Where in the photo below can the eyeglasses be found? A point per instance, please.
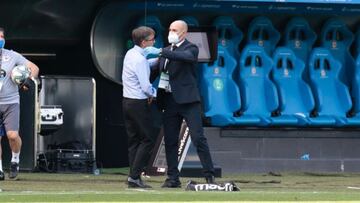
(153, 39)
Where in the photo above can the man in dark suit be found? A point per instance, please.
(178, 97)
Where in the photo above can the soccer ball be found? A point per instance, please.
(19, 74)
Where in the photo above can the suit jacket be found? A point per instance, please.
(182, 67)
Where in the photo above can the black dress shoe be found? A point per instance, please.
(137, 183)
(170, 183)
(210, 180)
(2, 176)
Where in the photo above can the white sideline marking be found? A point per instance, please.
(135, 191)
(355, 188)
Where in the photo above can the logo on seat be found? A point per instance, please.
(334, 44)
(253, 71)
(218, 84)
(286, 72)
(323, 73)
(261, 43)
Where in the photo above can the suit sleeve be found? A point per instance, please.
(153, 63)
(190, 54)
(154, 72)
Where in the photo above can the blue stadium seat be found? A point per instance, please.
(230, 35)
(295, 97)
(332, 97)
(354, 115)
(299, 37)
(216, 80)
(336, 37)
(258, 94)
(262, 32)
(356, 87)
(221, 97)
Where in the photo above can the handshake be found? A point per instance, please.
(152, 52)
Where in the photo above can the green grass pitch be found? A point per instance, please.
(110, 187)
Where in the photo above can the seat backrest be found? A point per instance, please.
(262, 32)
(336, 37)
(229, 35)
(299, 37)
(295, 96)
(258, 93)
(356, 87)
(219, 92)
(331, 94)
(154, 23)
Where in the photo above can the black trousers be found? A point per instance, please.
(173, 116)
(139, 129)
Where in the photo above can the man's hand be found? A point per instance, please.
(150, 99)
(26, 84)
(151, 52)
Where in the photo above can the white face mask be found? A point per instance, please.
(173, 38)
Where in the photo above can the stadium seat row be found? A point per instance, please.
(289, 89)
(272, 91)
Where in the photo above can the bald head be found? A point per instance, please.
(179, 25)
(180, 28)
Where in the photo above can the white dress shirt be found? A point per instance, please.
(136, 75)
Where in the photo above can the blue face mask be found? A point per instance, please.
(2, 43)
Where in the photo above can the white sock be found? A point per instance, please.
(15, 157)
(1, 169)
